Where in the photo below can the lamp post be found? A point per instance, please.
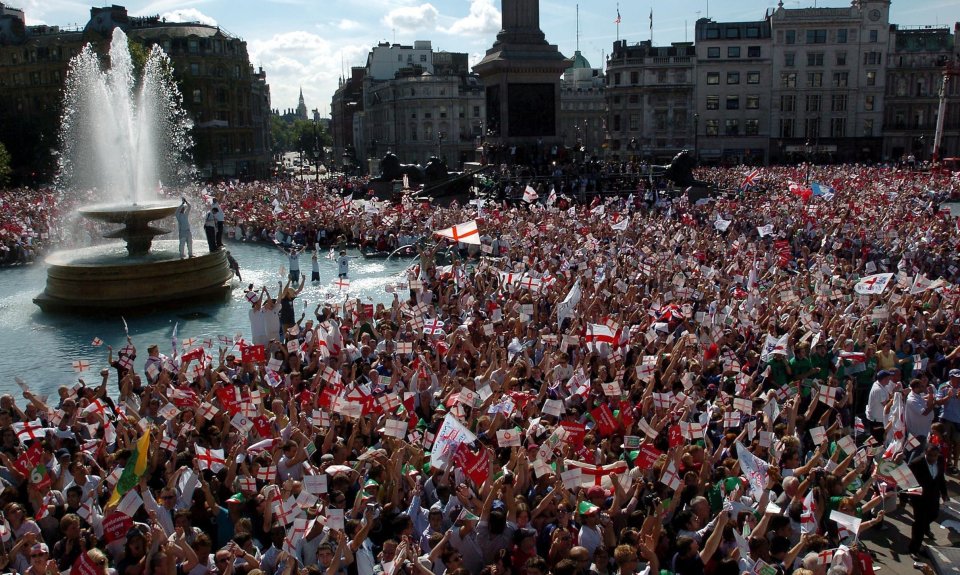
(808, 148)
(439, 144)
(696, 139)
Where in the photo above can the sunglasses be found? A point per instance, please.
(37, 555)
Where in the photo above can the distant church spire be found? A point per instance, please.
(302, 107)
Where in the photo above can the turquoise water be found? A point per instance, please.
(41, 348)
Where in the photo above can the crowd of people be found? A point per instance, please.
(640, 384)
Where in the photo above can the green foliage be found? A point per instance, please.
(296, 136)
(4, 165)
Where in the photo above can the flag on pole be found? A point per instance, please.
(617, 21)
(651, 19)
(136, 467)
(569, 303)
(530, 195)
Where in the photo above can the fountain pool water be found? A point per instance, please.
(122, 135)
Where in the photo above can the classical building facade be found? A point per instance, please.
(829, 79)
(411, 101)
(650, 100)
(227, 99)
(733, 78)
(583, 108)
(915, 71)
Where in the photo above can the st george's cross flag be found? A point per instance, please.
(466, 232)
(530, 195)
(600, 475)
(874, 284)
(754, 468)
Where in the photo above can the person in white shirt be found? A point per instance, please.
(877, 404)
(343, 264)
(918, 414)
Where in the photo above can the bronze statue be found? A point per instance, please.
(680, 171)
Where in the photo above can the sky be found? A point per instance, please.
(312, 43)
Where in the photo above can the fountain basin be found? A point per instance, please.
(106, 279)
(136, 231)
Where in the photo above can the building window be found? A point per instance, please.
(789, 59)
(816, 36)
(788, 80)
(871, 58)
(733, 32)
(713, 78)
(873, 36)
(731, 127)
(813, 128)
(814, 79)
(633, 99)
(413, 133)
(661, 76)
(840, 79)
(194, 69)
(713, 34)
(476, 111)
(634, 122)
(813, 103)
(814, 58)
(869, 103)
(841, 58)
(616, 100)
(660, 119)
(713, 102)
(713, 52)
(733, 51)
(753, 102)
(616, 78)
(753, 32)
(838, 103)
(751, 127)
(868, 127)
(733, 102)
(733, 77)
(713, 128)
(634, 78)
(842, 36)
(753, 51)
(787, 127)
(193, 46)
(423, 57)
(753, 77)
(616, 122)
(838, 127)
(791, 37)
(197, 97)
(427, 115)
(871, 78)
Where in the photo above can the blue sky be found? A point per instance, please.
(309, 42)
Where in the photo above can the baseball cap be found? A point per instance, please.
(39, 548)
(884, 373)
(954, 373)
(596, 491)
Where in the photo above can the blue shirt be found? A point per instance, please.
(951, 409)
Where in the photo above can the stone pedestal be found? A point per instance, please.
(104, 279)
(521, 75)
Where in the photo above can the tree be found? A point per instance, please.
(4, 165)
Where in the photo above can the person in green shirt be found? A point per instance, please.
(820, 359)
(802, 367)
(780, 371)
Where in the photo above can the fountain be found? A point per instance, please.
(121, 136)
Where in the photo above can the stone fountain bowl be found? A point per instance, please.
(129, 213)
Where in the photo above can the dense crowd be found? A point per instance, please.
(635, 385)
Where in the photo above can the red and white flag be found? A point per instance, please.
(530, 195)
(598, 334)
(592, 475)
(874, 284)
(466, 232)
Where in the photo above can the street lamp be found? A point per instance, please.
(439, 144)
(808, 148)
(696, 139)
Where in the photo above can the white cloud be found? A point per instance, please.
(412, 18)
(299, 58)
(483, 20)
(188, 15)
(347, 24)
